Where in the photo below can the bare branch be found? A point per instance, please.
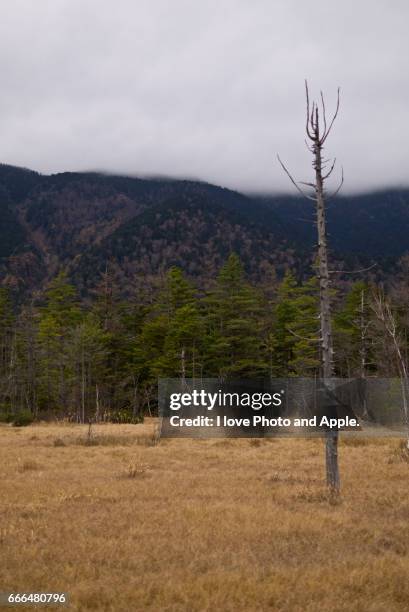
(330, 170)
(312, 221)
(317, 339)
(339, 186)
(312, 118)
(309, 147)
(352, 271)
(326, 133)
(307, 127)
(317, 123)
(294, 182)
(324, 115)
(307, 184)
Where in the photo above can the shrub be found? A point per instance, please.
(22, 419)
(5, 415)
(125, 416)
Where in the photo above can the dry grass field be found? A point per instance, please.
(125, 524)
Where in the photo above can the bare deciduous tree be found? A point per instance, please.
(383, 312)
(317, 130)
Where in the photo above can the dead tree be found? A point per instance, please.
(383, 312)
(317, 131)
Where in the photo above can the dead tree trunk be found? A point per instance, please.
(317, 132)
(331, 449)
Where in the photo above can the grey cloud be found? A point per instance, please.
(210, 90)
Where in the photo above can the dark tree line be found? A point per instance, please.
(101, 358)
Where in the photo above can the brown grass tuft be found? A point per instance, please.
(136, 469)
(28, 465)
(58, 442)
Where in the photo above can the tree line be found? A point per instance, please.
(100, 358)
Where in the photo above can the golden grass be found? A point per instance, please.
(126, 524)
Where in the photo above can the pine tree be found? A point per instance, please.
(27, 370)
(178, 292)
(352, 329)
(86, 353)
(107, 312)
(58, 316)
(170, 337)
(305, 328)
(181, 350)
(281, 341)
(7, 354)
(294, 337)
(233, 344)
(62, 302)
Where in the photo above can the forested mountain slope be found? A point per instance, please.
(140, 227)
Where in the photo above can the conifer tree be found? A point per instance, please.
(178, 292)
(293, 340)
(183, 341)
(27, 359)
(86, 352)
(106, 311)
(234, 346)
(7, 353)
(170, 337)
(59, 315)
(305, 329)
(352, 333)
(281, 341)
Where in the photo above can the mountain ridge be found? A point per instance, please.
(80, 221)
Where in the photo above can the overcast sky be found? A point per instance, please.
(211, 89)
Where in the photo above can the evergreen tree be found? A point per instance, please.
(103, 360)
(281, 341)
(352, 333)
(181, 350)
(58, 316)
(294, 339)
(171, 335)
(178, 292)
(233, 344)
(305, 328)
(106, 310)
(86, 353)
(27, 370)
(7, 353)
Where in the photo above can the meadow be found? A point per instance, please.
(122, 522)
